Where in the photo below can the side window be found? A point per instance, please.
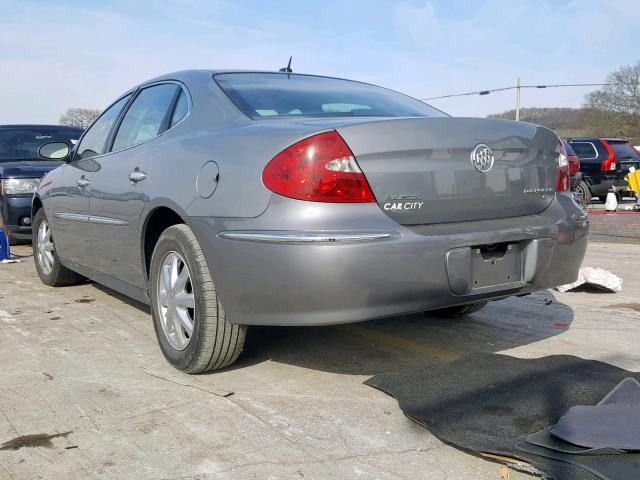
(181, 109)
(584, 150)
(145, 116)
(94, 141)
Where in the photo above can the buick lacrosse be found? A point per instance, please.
(225, 199)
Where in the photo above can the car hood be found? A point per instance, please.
(27, 168)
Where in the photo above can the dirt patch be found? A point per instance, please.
(35, 440)
(85, 300)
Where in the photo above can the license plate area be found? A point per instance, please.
(496, 264)
(483, 268)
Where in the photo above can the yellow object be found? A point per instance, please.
(633, 179)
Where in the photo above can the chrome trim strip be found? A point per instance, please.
(78, 217)
(303, 237)
(106, 220)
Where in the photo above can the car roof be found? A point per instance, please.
(184, 75)
(51, 127)
(591, 139)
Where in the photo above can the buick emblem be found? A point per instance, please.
(482, 158)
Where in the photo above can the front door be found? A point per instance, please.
(119, 190)
(69, 201)
(68, 212)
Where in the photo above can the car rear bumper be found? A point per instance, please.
(16, 215)
(363, 265)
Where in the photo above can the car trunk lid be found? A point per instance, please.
(420, 169)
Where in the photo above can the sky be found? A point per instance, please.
(84, 53)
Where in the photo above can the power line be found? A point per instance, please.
(487, 92)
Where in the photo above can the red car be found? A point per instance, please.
(574, 165)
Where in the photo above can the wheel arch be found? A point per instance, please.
(36, 204)
(157, 219)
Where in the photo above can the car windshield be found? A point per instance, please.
(22, 143)
(624, 150)
(262, 95)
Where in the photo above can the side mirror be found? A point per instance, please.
(55, 150)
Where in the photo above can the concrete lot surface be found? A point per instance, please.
(622, 226)
(85, 392)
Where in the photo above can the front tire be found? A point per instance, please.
(190, 323)
(48, 266)
(458, 310)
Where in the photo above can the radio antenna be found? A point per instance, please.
(287, 69)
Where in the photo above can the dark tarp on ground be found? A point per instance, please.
(601, 426)
(543, 438)
(609, 467)
(488, 403)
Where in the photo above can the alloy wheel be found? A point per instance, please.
(45, 248)
(175, 300)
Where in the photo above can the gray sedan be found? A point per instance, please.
(230, 198)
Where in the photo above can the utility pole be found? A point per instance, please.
(518, 100)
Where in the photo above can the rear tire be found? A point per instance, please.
(48, 266)
(583, 189)
(190, 323)
(458, 310)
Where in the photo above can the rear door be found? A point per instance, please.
(590, 158)
(119, 189)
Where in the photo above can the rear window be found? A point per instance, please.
(22, 143)
(585, 150)
(569, 149)
(624, 150)
(261, 95)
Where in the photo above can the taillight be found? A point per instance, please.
(608, 165)
(574, 165)
(320, 168)
(563, 179)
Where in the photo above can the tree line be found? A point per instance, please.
(612, 111)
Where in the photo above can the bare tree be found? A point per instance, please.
(616, 107)
(79, 117)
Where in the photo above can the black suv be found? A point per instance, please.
(22, 167)
(604, 162)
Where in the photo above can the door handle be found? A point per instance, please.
(137, 176)
(83, 182)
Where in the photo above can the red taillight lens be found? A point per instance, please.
(574, 165)
(318, 169)
(563, 179)
(609, 164)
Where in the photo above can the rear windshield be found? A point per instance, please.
(22, 143)
(624, 150)
(261, 95)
